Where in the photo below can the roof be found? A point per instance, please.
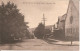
(75, 3)
(62, 18)
(48, 26)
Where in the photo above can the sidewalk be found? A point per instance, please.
(67, 43)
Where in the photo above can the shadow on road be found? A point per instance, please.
(54, 43)
(10, 43)
(62, 44)
(10, 47)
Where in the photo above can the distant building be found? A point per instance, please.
(61, 22)
(60, 30)
(50, 27)
(56, 25)
(72, 20)
(31, 30)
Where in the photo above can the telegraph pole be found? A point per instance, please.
(71, 21)
(44, 19)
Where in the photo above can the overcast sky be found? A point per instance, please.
(34, 12)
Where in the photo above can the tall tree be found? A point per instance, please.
(12, 23)
(39, 31)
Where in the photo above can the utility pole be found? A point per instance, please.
(44, 19)
(71, 21)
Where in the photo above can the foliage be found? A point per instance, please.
(39, 31)
(47, 31)
(12, 23)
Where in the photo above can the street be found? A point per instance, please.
(36, 44)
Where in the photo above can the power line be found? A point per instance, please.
(38, 3)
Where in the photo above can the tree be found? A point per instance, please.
(47, 33)
(39, 31)
(12, 23)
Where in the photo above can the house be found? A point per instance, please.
(59, 31)
(50, 27)
(72, 20)
(61, 22)
(61, 25)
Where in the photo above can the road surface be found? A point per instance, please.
(36, 44)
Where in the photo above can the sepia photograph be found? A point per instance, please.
(39, 25)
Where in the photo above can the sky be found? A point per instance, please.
(33, 11)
